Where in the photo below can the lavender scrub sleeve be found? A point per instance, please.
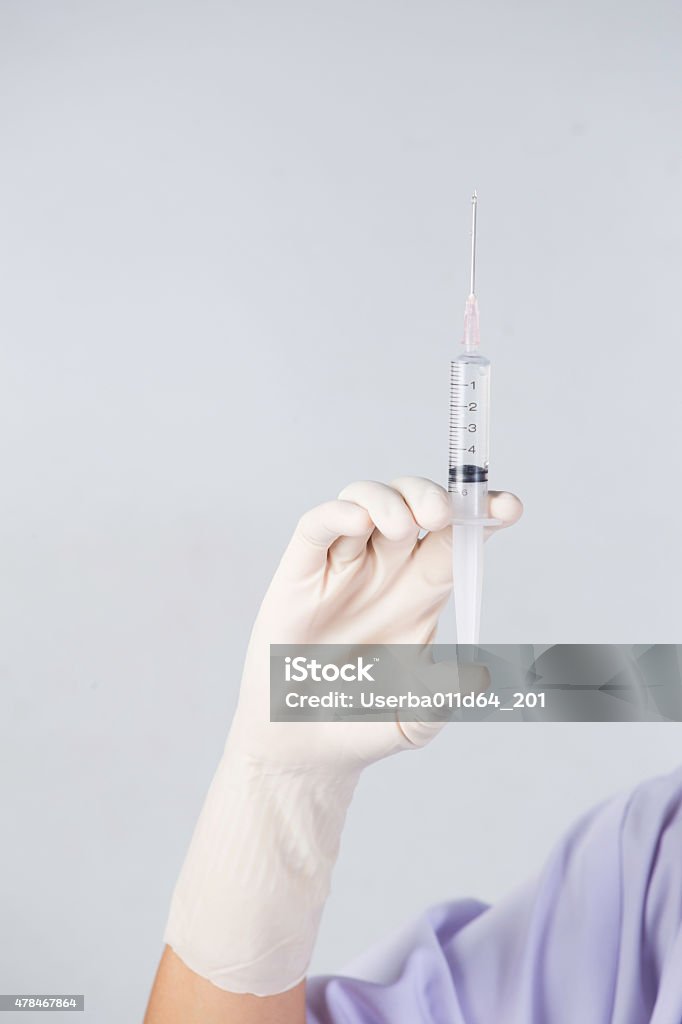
(595, 939)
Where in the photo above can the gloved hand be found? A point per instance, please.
(247, 906)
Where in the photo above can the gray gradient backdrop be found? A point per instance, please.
(233, 251)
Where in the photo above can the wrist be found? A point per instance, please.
(247, 905)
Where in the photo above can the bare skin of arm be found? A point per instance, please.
(179, 996)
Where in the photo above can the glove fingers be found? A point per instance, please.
(428, 502)
(504, 506)
(434, 557)
(430, 507)
(397, 513)
(386, 509)
(347, 549)
(316, 532)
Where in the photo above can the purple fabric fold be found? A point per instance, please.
(595, 939)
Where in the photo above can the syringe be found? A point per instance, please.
(468, 468)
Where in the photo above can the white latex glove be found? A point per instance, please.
(247, 906)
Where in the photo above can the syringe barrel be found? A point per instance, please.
(469, 501)
(469, 434)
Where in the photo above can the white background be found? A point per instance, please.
(233, 255)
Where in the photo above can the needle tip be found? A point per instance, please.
(474, 196)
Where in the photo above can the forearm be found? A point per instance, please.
(179, 996)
